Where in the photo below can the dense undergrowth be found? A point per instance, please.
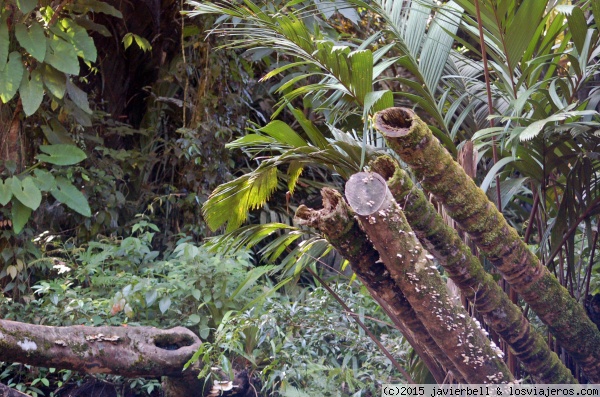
(304, 343)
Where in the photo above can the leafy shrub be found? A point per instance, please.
(305, 345)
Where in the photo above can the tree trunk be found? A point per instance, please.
(411, 267)
(468, 205)
(341, 229)
(444, 243)
(125, 351)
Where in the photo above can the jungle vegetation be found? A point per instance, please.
(271, 175)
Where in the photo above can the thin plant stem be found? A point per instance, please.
(395, 363)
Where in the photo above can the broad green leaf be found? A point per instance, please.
(142, 43)
(31, 91)
(62, 56)
(378, 100)
(283, 133)
(151, 297)
(56, 134)
(362, 74)
(93, 26)
(164, 304)
(5, 192)
(96, 6)
(193, 319)
(10, 77)
(79, 97)
(26, 5)
(61, 154)
(69, 195)
(55, 81)
(4, 42)
(578, 27)
(44, 180)
(294, 171)
(316, 137)
(79, 38)
(20, 215)
(26, 192)
(12, 272)
(80, 116)
(127, 40)
(521, 30)
(33, 40)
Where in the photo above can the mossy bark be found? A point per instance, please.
(468, 205)
(443, 242)
(413, 270)
(338, 225)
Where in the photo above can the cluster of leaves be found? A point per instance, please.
(116, 281)
(40, 381)
(50, 44)
(40, 52)
(26, 193)
(299, 347)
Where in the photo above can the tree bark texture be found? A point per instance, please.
(444, 243)
(338, 225)
(413, 270)
(468, 205)
(125, 351)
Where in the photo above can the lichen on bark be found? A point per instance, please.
(414, 272)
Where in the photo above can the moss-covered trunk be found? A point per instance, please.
(443, 242)
(413, 270)
(338, 225)
(468, 205)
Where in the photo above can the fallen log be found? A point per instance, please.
(126, 351)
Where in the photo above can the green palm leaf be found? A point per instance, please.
(230, 202)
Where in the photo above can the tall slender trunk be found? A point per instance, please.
(468, 205)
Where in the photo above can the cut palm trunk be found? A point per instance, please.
(444, 243)
(468, 205)
(413, 270)
(338, 225)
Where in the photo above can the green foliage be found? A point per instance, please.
(141, 42)
(542, 120)
(289, 343)
(297, 344)
(117, 281)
